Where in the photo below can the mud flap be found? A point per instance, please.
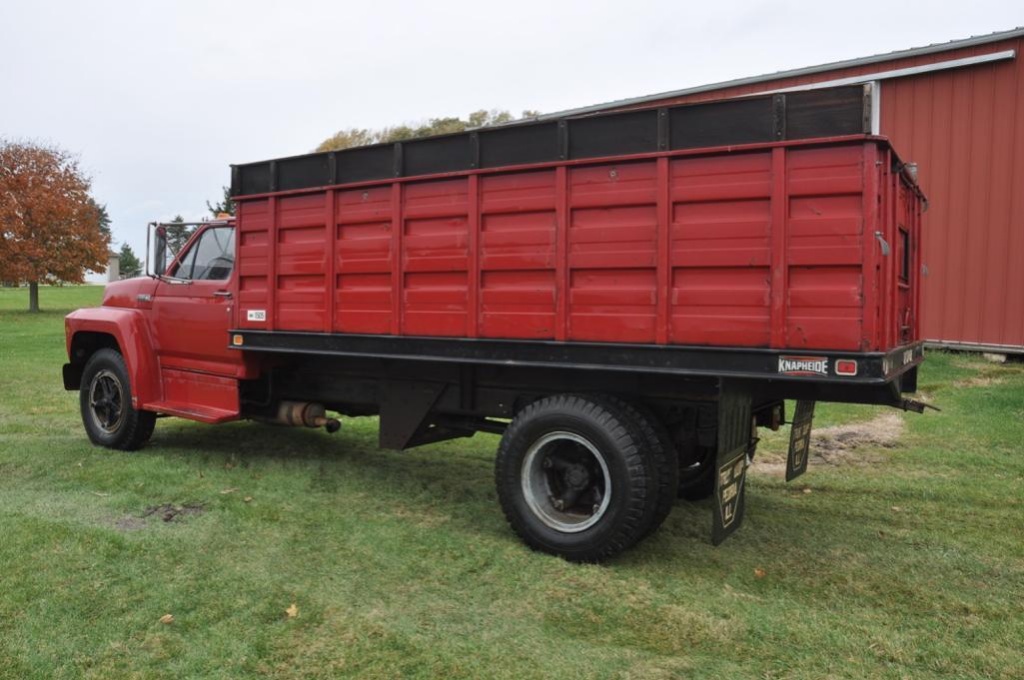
(799, 440)
(735, 446)
(404, 410)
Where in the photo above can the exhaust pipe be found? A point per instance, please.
(306, 414)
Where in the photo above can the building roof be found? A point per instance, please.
(793, 73)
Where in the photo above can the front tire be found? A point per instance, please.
(576, 478)
(105, 399)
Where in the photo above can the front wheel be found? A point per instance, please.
(105, 398)
(576, 478)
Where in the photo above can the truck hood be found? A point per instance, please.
(134, 293)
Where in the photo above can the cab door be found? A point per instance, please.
(192, 306)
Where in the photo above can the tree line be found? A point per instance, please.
(348, 138)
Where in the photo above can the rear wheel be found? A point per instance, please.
(106, 403)
(576, 477)
(663, 455)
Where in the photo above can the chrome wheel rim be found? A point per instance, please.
(565, 482)
(107, 401)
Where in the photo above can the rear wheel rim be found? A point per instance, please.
(565, 482)
(107, 401)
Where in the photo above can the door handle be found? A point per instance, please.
(222, 293)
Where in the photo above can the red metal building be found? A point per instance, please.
(956, 109)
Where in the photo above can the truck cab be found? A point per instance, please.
(158, 343)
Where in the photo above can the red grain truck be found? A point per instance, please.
(624, 297)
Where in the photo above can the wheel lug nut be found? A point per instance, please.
(547, 464)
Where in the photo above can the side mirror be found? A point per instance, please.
(160, 251)
(156, 245)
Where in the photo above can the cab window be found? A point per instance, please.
(211, 258)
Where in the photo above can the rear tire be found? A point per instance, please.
(105, 398)
(663, 454)
(576, 478)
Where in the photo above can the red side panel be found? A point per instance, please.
(767, 247)
(254, 256)
(363, 261)
(825, 258)
(517, 255)
(612, 245)
(720, 237)
(435, 258)
(301, 262)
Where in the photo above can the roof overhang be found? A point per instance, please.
(813, 70)
(904, 72)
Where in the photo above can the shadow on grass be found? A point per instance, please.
(253, 440)
(455, 477)
(458, 477)
(456, 474)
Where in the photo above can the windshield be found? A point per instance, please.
(209, 258)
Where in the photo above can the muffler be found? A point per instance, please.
(305, 414)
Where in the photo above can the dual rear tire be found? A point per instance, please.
(585, 477)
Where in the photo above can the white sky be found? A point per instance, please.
(158, 98)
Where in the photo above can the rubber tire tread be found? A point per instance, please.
(666, 460)
(138, 425)
(629, 522)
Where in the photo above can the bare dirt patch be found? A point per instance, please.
(852, 444)
(169, 512)
(846, 444)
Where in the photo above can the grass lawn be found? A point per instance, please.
(899, 557)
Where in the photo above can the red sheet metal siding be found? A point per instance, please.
(965, 129)
(518, 225)
(362, 260)
(769, 246)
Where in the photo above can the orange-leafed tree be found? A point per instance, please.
(50, 228)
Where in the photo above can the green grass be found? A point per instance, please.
(401, 564)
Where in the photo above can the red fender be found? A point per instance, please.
(129, 328)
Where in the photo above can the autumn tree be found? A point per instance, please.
(50, 228)
(130, 264)
(352, 137)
